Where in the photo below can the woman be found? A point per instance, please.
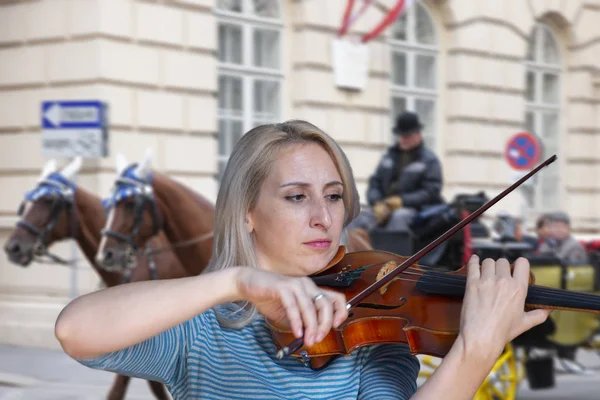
(286, 194)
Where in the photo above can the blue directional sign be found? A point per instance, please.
(523, 151)
(74, 128)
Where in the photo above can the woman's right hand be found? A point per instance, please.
(296, 300)
(493, 310)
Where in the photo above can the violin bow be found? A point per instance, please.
(297, 343)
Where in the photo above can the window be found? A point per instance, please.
(250, 69)
(414, 68)
(542, 97)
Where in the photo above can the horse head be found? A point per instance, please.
(133, 215)
(46, 214)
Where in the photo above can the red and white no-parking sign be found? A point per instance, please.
(523, 151)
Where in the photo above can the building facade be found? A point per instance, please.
(189, 77)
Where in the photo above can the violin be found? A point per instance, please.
(393, 299)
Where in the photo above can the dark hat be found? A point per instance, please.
(407, 123)
(560, 216)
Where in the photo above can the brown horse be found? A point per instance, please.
(55, 210)
(143, 202)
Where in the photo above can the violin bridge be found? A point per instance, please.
(386, 269)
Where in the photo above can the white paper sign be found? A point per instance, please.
(350, 64)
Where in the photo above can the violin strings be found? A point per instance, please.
(542, 290)
(535, 293)
(538, 290)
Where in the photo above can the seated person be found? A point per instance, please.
(562, 243)
(408, 179)
(542, 228)
(555, 231)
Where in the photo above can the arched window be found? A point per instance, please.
(250, 69)
(543, 109)
(414, 68)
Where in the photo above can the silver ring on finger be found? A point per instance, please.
(318, 297)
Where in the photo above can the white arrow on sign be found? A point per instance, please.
(58, 115)
(514, 153)
(53, 114)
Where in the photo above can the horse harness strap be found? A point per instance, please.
(143, 193)
(147, 196)
(149, 253)
(63, 199)
(183, 243)
(151, 265)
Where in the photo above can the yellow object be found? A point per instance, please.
(501, 383)
(382, 212)
(572, 327)
(394, 202)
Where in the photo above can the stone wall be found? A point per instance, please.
(154, 64)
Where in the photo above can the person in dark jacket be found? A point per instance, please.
(407, 180)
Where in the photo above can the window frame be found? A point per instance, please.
(246, 71)
(412, 49)
(538, 108)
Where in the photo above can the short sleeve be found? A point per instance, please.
(388, 372)
(162, 358)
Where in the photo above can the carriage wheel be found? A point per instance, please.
(503, 381)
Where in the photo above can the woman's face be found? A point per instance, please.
(299, 216)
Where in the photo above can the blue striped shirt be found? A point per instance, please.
(200, 360)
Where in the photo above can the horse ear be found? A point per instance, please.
(143, 170)
(121, 163)
(49, 168)
(73, 168)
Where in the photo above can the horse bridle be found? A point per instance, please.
(62, 196)
(143, 193)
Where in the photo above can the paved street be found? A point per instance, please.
(37, 374)
(568, 386)
(34, 374)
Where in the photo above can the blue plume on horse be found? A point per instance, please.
(128, 185)
(53, 185)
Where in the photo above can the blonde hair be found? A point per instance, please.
(249, 165)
